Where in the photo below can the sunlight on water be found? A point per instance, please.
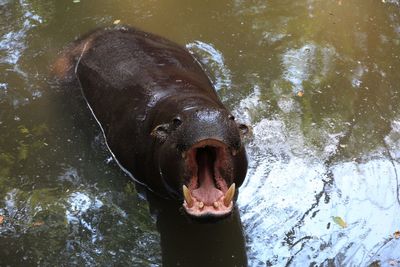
(285, 222)
(310, 62)
(213, 60)
(12, 44)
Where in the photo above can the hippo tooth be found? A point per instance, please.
(229, 195)
(216, 204)
(201, 205)
(187, 196)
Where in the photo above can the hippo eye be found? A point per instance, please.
(177, 121)
(231, 117)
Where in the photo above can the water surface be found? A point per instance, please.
(318, 81)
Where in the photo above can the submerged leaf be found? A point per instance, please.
(1, 219)
(338, 220)
(6, 159)
(22, 151)
(40, 129)
(38, 223)
(23, 129)
(376, 263)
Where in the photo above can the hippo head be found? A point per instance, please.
(202, 159)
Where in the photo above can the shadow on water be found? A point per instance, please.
(185, 242)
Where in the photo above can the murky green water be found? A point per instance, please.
(317, 80)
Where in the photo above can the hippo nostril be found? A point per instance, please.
(231, 117)
(177, 121)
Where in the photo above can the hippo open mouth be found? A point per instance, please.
(206, 192)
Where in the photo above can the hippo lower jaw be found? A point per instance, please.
(206, 193)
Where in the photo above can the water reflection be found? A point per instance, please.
(185, 242)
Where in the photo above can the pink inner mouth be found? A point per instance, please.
(207, 188)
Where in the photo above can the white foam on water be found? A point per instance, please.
(79, 204)
(249, 106)
(3, 86)
(287, 104)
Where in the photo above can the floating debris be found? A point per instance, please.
(38, 223)
(339, 221)
(396, 234)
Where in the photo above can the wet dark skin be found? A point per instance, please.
(161, 116)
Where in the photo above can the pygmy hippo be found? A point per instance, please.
(161, 116)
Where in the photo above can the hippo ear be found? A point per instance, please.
(161, 132)
(243, 129)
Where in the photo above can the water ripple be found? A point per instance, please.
(212, 58)
(13, 43)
